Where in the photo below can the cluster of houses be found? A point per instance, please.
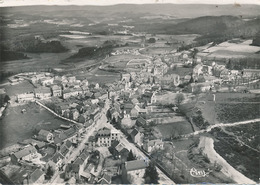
(126, 51)
(47, 149)
(48, 85)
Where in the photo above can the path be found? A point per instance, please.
(222, 125)
(51, 111)
(207, 144)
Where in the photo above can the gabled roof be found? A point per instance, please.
(154, 142)
(124, 150)
(24, 152)
(57, 157)
(70, 132)
(72, 168)
(141, 120)
(128, 106)
(43, 133)
(68, 144)
(78, 161)
(135, 165)
(64, 150)
(104, 131)
(134, 132)
(114, 143)
(106, 179)
(36, 175)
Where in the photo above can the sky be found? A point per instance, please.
(112, 2)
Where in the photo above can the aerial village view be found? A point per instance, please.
(130, 94)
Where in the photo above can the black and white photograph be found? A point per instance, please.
(129, 92)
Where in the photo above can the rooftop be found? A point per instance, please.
(135, 165)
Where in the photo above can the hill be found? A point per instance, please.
(176, 10)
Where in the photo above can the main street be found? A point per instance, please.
(89, 132)
(102, 122)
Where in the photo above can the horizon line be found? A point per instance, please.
(17, 3)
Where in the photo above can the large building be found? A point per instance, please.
(105, 136)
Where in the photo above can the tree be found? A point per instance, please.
(194, 52)
(131, 156)
(49, 173)
(6, 99)
(151, 175)
(108, 114)
(151, 40)
(179, 98)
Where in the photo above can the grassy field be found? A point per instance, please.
(99, 76)
(22, 87)
(237, 111)
(17, 126)
(229, 107)
(173, 129)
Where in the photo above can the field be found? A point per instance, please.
(23, 87)
(166, 131)
(229, 107)
(234, 112)
(17, 126)
(239, 146)
(99, 76)
(230, 49)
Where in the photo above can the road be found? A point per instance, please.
(221, 125)
(89, 132)
(140, 155)
(207, 144)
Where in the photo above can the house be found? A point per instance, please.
(95, 116)
(104, 137)
(57, 160)
(125, 77)
(42, 92)
(71, 79)
(106, 179)
(134, 112)
(127, 109)
(197, 70)
(141, 121)
(44, 135)
(36, 177)
(152, 145)
(133, 169)
(66, 114)
(200, 87)
(114, 114)
(61, 108)
(70, 92)
(149, 97)
(74, 114)
(72, 170)
(84, 82)
(27, 153)
(25, 97)
(88, 94)
(114, 134)
(136, 136)
(46, 81)
(251, 73)
(170, 79)
(83, 118)
(56, 91)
